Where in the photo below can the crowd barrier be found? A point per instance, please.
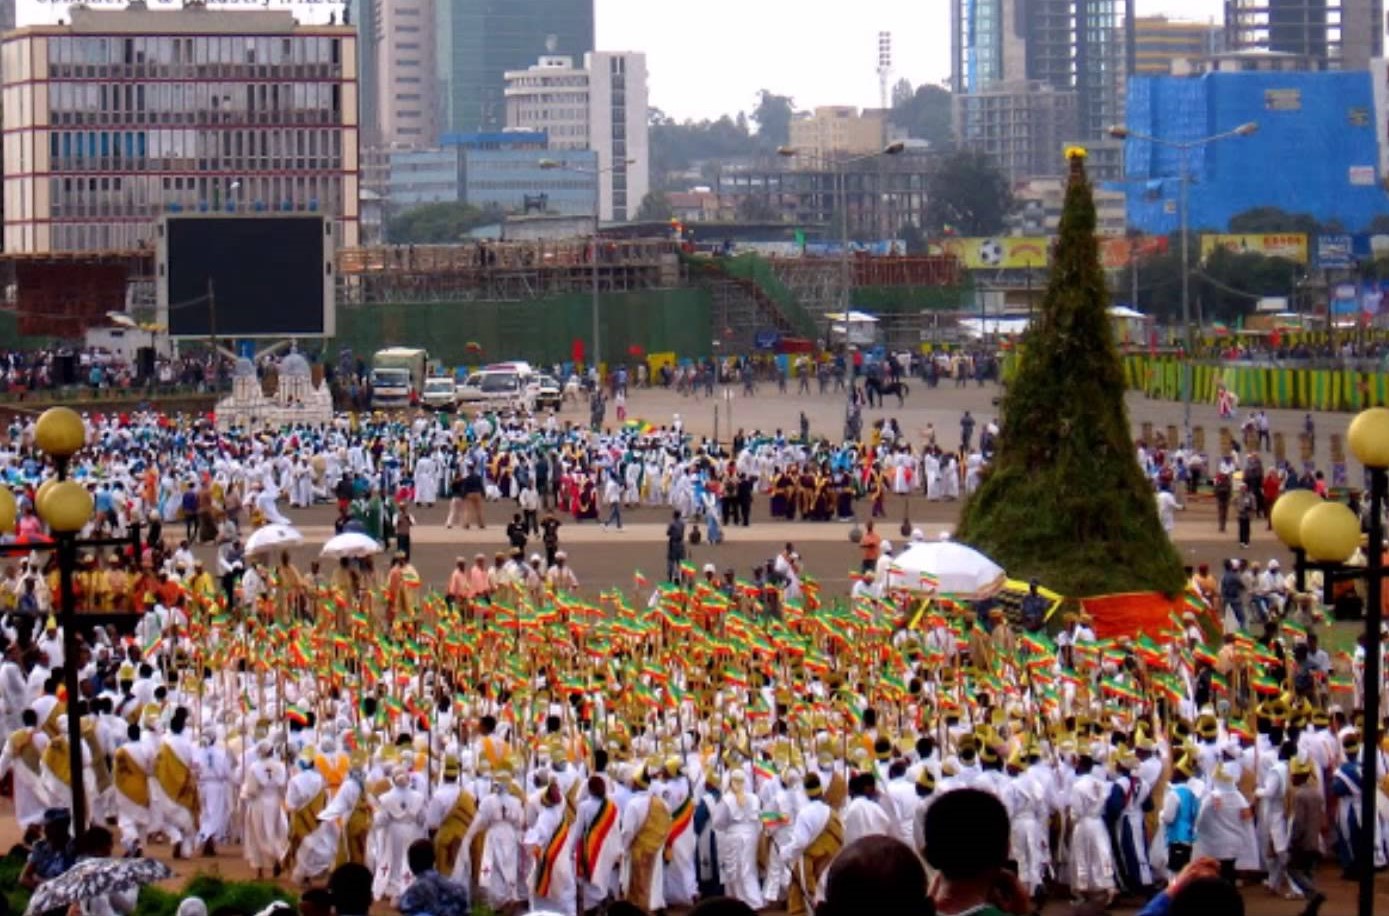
(1260, 386)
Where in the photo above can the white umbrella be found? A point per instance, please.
(351, 544)
(948, 568)
(272, 537)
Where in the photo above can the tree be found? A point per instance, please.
(1065, 499)
(754, 208)
(773, 116)
(902, 92)
(447, 221)
(1271, 219)
(966, 194)
(925, 115)
(1226, 287)
(655, 206)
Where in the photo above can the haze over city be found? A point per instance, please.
(783, 45)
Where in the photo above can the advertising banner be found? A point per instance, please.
(1289, 245)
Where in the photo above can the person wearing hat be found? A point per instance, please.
(645, 826)
(1092, 859)
(1273, 832)
(560, 576)
(21, 758)
(1124, 811)
(499, 821)
(1180, 806)
(1224, 826)
(816, 838)
(1306, 816)
(1346, 786)
(51, 855)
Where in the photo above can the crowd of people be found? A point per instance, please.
(506, 739)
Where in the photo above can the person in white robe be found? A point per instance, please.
(1091, 855)
(634, 814)
(426, 480)
(1224, 825)
(170, 817)
(864, 815)
(21, 758)
(599, 843)
(785, 805)
(216, 779)
(399, 822)
(500, 819)
(1273, 828)
(267, 829)
(738, 817)
(318, 853)
(549, 843)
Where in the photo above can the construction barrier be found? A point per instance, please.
(1259, 386)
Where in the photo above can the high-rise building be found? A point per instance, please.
(123, 115)
(406, 101)
(1159, 41)
(837, 132)
(480, 40)
(601, 106)
(1007, 48)
(1337, 34)
(1021, 127)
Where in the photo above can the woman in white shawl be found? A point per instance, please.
(738, 819)
(399, 822)
(267, 827)
(500, 818)
(550, 846)
(319, 852)
(215, 779)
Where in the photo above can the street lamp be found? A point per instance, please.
(66, 507)
(1327, 534)
(1184, 147)
(841, 193)
(556, 165)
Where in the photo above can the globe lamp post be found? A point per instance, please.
(1324, 535)
(66, 506)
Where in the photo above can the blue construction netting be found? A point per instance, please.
(1316, 150)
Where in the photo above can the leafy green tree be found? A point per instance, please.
(925, 115)
(1064, 499)
(438, 223)
(902, 92)
(968, 195)
(1227, 286)
(655, 206)
(773, 116)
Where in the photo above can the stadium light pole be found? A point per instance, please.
(1184, 148)
(839, 165)
(597, 173)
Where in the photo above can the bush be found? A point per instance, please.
(248, 897)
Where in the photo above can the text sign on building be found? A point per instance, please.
(1291, 246)
(1283, 99)
(1335, 252)
(49, 12)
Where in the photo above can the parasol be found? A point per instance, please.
(351, 544)
(948, 568)
(272, 537)
(95, 878)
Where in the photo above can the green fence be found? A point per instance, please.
(540, 330)
(1260, 386)
(879, 300)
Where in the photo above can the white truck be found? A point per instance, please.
(397, 377)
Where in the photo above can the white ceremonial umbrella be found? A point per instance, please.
(946, 568)
(272, 537)
(351, 544)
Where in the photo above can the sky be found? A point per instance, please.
(711, 57)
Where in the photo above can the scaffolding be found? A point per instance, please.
(503, 271)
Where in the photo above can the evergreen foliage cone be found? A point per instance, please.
(1064, 499)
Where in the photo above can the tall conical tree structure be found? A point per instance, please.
(1065, 499)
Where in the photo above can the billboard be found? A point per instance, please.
(245, 276)
(1023, 252)
(1335, 252)
(1289, 245)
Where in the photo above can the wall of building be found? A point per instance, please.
(618, 131)
(1316, 150)
(505, 178)
(480, 40)
(407, 104)
(122, 116)
(835, 132)
(424, 177)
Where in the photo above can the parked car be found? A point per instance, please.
(545, 393)
(440, 393)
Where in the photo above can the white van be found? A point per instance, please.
(493, 388)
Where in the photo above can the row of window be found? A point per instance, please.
(173, 51)
(115, 197)
(194, 144)
(559, 184)
(191, 102)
